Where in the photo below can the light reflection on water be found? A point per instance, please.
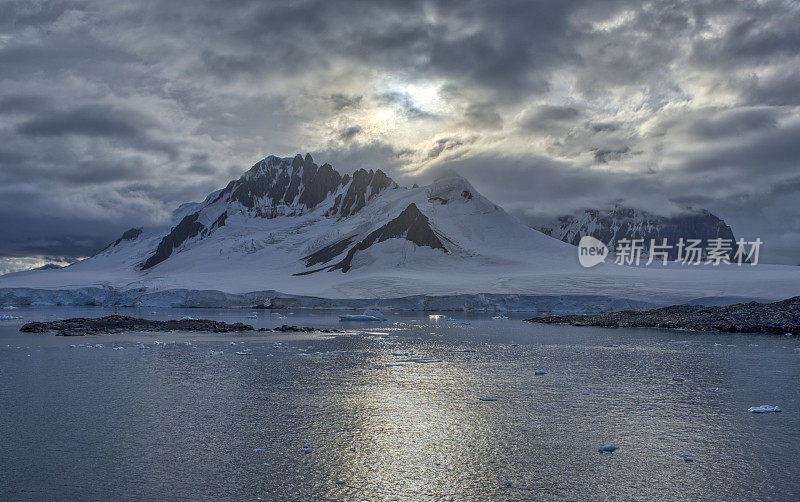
(174, 422)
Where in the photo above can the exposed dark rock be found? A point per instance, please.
(365, 186)
(328, 253)
(466, 194)
(188, 227)
(753, 317)
(118, 323)
(114, 323)
(129, 235)
(411, 224)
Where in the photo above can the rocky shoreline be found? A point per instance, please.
(81, 326)
(779, 317)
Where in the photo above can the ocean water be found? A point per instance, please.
(409, 409)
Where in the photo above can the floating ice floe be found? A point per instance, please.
(368, 315)
(119, 348)
(307, 449)
(245, 353)
(610, 448)
(9, 307)
(788, 334)
(764, 408)
(717, 345)
(437, 317)
(141, 346)
(540, 372)
(187, 318)
(687, 458)
(6, 317)
(459, 323)
(499, 317)
(213, 352)
(753, 345)
(715, 389)
(253, 316)
(98, 345)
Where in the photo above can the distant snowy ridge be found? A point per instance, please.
(619, 222)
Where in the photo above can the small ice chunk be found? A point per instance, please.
(678, 379)
(687, 458)
(215, 352)
(6, 317)
(98, 345)
(499, 317)
(187, 318)
(141, 346)
(715, 389)
(764, 408)
(307, 449)
(717, 345)
(253, 316)
(246, 352)
(119, 348)
(608, 447)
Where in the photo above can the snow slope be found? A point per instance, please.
(293, 231)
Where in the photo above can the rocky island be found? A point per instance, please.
(779, 317)
(81, 326)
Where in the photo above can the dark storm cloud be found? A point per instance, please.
(23, 103)
(341, 101)
(113, 112)
(349, 133)
(100, 121)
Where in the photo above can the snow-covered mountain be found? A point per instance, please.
(619, 222)
(291, 232)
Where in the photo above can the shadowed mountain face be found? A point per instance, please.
(411, 225)
(276, 187)
(609, 226)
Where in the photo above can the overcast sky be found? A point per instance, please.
(113, 112)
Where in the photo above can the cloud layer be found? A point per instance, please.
(112, 112)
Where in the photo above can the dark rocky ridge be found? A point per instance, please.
(277, 187)
(410, 224)
(752, 317)
(129, 235)
(81, 326)
(626, 223)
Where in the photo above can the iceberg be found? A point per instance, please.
(369, 315)
(5, 317)
(764, 408)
